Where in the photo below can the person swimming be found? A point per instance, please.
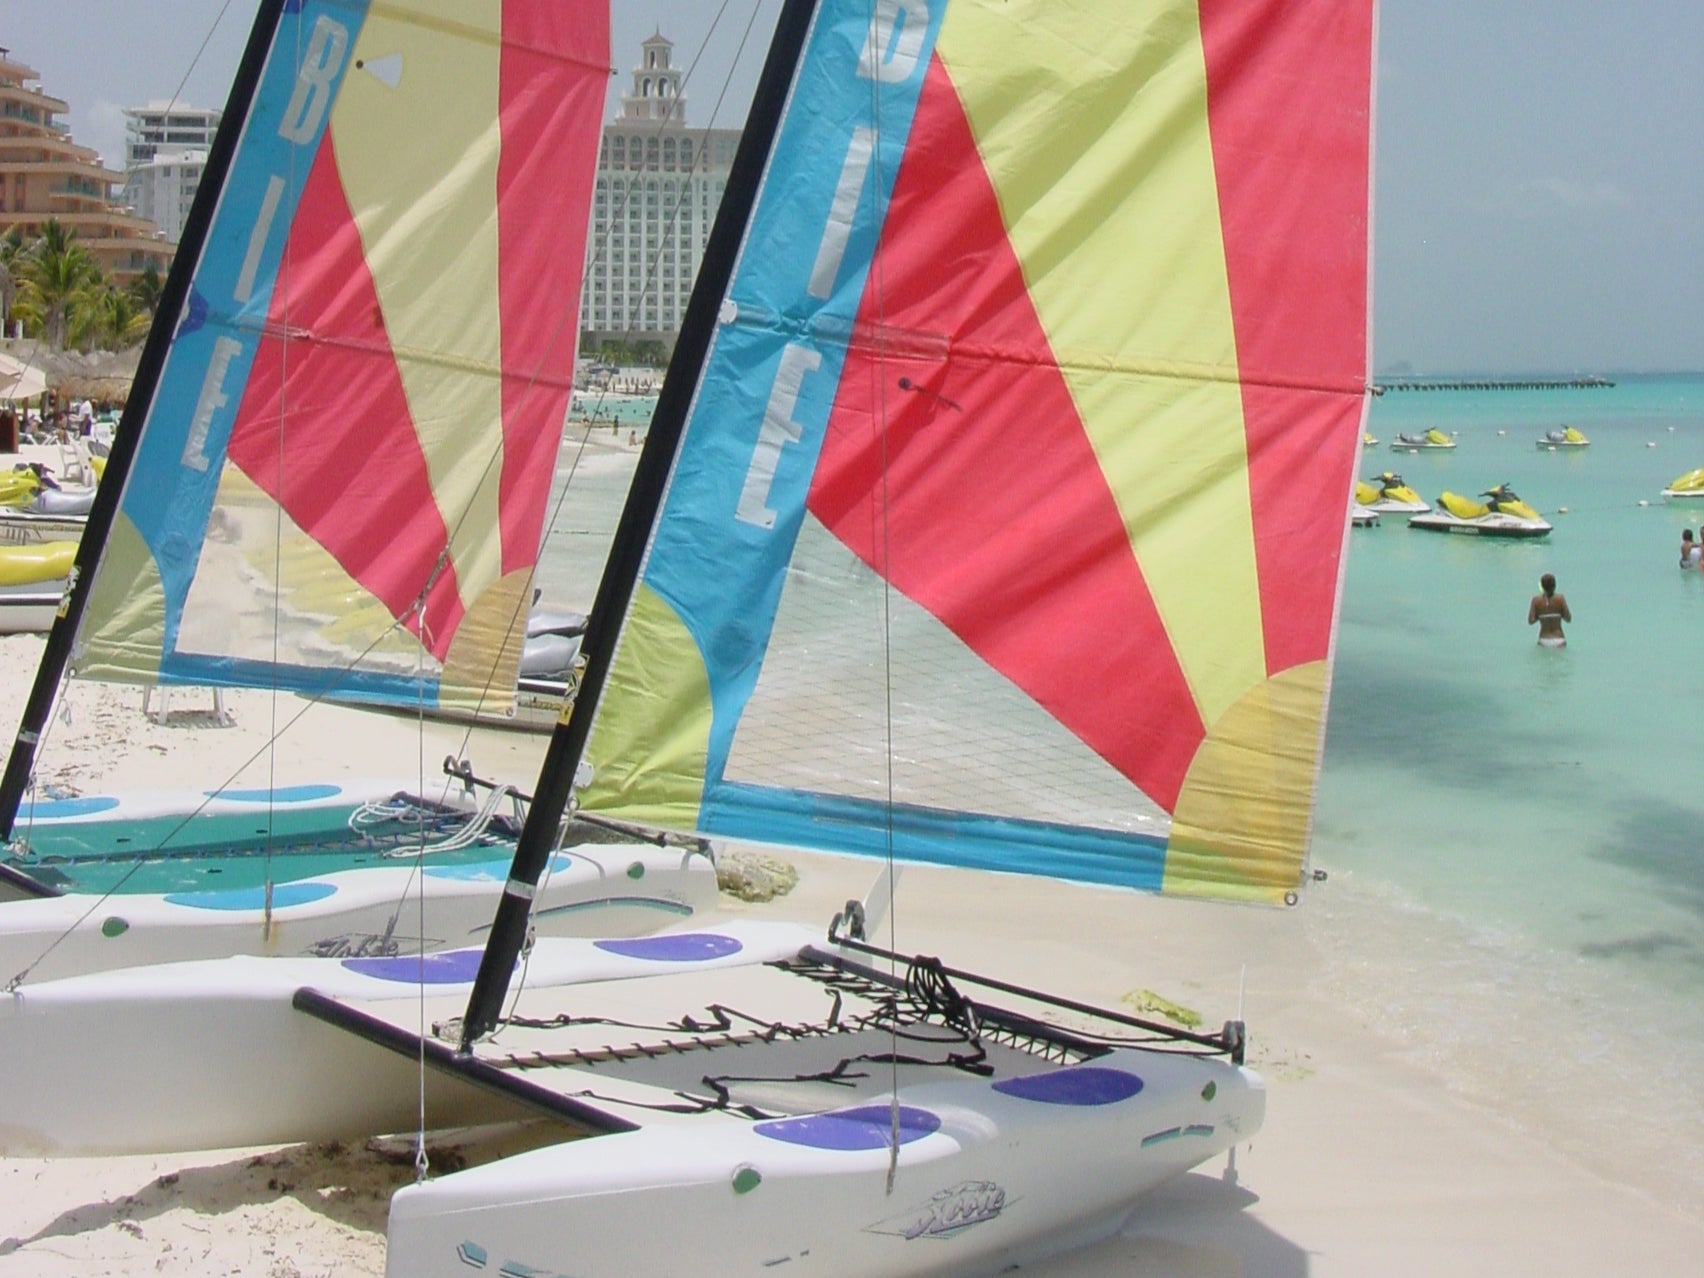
(1549, 610)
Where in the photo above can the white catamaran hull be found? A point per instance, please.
(984, 1177)
(215, 1055)
(597, 889)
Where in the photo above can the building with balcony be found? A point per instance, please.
(45, 176)
(167, 126)
(165, 154)
(658, 186)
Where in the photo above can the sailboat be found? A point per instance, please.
(992, 516)
(331, 478)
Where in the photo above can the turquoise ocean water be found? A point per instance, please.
(1513, 837)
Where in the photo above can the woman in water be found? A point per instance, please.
(1549, 610)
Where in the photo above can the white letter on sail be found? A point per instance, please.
(312, 95)
(778, 430)
(225, 349)
(839, 228)
(257, 239)
(888, 59)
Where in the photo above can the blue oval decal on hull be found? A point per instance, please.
(683, 947)
(1085, 1085)
(454, 967)
(867, 1127)
(284, 895)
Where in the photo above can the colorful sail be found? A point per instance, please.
(1007, 526)
(342, 476)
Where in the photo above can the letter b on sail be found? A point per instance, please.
(312, 94)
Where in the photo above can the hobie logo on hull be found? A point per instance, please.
(949, 1212)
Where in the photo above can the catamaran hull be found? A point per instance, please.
(999, 1179)
(602, 889)
(216, 1055)
(1492, 525)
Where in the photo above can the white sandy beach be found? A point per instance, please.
(1370, 1161)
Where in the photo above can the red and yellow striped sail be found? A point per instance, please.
(1091, 418)
(375, 364)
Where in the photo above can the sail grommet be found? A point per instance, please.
(729, 312)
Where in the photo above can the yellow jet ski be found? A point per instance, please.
(1689, 485)
(1388, 494)
(34, 507)
(1432, 441)
(1567, 437)
(1500, 514)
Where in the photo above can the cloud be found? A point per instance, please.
(103, 123)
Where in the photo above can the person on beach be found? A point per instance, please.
(1695, 552)
(1687, 546)
(1549, 610)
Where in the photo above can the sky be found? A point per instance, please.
(1539, 164)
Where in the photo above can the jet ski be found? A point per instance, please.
(1500, 514)
(1368, 439)
(1386, 493)
(34, 507)
(1431, 441)
(1689, 485)
(32, 582)
(1567, 437)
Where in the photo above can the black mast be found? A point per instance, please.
(20, 764)
(615, 590)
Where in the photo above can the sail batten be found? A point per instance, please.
(376, 359)
(1051, 590)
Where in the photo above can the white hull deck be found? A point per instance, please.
(604, 889)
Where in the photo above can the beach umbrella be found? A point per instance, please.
(19, 380)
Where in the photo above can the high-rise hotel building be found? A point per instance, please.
(658, 186)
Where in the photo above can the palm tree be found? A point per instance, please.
(59, 276)
(146, 288)
(107, 318)
(11, 249)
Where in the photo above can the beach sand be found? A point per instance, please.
(1369, 1162)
